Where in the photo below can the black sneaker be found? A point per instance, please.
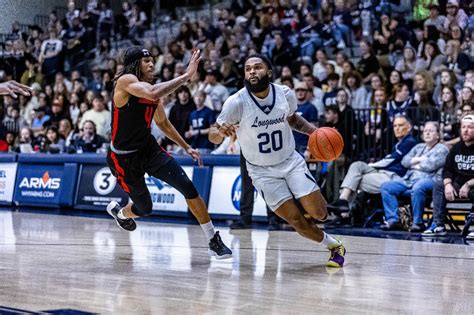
(338, 206)
(128, 224)
(218, 249)
(239, 225)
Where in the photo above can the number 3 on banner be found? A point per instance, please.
(269, 142)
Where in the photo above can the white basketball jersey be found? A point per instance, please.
(264, 134)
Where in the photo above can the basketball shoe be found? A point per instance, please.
(218, 249)
(337, 256)
(113, 209)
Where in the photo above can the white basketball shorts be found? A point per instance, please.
(280, 182)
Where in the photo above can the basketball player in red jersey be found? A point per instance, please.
(134, 151)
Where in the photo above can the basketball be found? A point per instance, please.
(325, 144)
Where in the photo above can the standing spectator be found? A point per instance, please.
(448, 114)
(216, 92)
(50, 56)
(458, 177)
(401, 103)
(424, 163)
(329, 97)
(180, 110)
(200, 120)
(358, 93)
(368, 64)
(307, 111)
(13, 122)
(99, 115)
(455, 16)
(106, 21)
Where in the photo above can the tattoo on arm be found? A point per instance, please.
(300, 124)
(168, 87)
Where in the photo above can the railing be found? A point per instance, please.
(369, 136)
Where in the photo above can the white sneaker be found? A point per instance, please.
(470, 236)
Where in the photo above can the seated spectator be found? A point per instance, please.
(424, 163)
(13, 122)
(200, 120)
(89, 141)
(10, 139)
(99, 115)
(55, 143)
(369, 177)
(66, 131)
(458, 177)
(26, 141)
(39, 121)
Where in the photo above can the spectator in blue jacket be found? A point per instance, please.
(424, 163)
(369, 177)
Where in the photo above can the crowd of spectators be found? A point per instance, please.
(354, 65)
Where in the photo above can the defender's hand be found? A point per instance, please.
(12, 88)
(194, 63)
(194, 153)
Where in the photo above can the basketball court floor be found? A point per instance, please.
(62, 264)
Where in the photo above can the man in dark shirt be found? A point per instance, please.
(200, 120)
(458, 178)
(307, 111)
(89, 141)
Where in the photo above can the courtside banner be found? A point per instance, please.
(7, 182)
(226, 190)
(97, 187)
(40, 184)
(165, 197)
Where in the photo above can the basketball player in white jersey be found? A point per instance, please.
(262, 114)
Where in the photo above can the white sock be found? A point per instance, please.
(120, 215)
(208, 229)
(329, 241)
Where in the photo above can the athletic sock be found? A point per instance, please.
(329, 241)
(208, 229)
(121, 216)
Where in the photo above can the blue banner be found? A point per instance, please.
(39, 184)
(97, 187)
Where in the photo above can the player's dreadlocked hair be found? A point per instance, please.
(131, 61)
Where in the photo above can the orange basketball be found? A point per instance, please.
(325, 144)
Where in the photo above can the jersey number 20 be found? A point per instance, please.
(269, 142)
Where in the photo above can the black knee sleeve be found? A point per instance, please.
(189, 190)
(142, 205)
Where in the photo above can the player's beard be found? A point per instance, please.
(258, 87)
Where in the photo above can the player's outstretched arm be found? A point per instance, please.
(130, 83)
(12, 88)
(300, 124)
(170, 131)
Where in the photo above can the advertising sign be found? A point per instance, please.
(165, 197)
(7, 181)
(39, 185)
(226, 190)
(98, 187)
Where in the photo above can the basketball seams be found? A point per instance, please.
(322, 136)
